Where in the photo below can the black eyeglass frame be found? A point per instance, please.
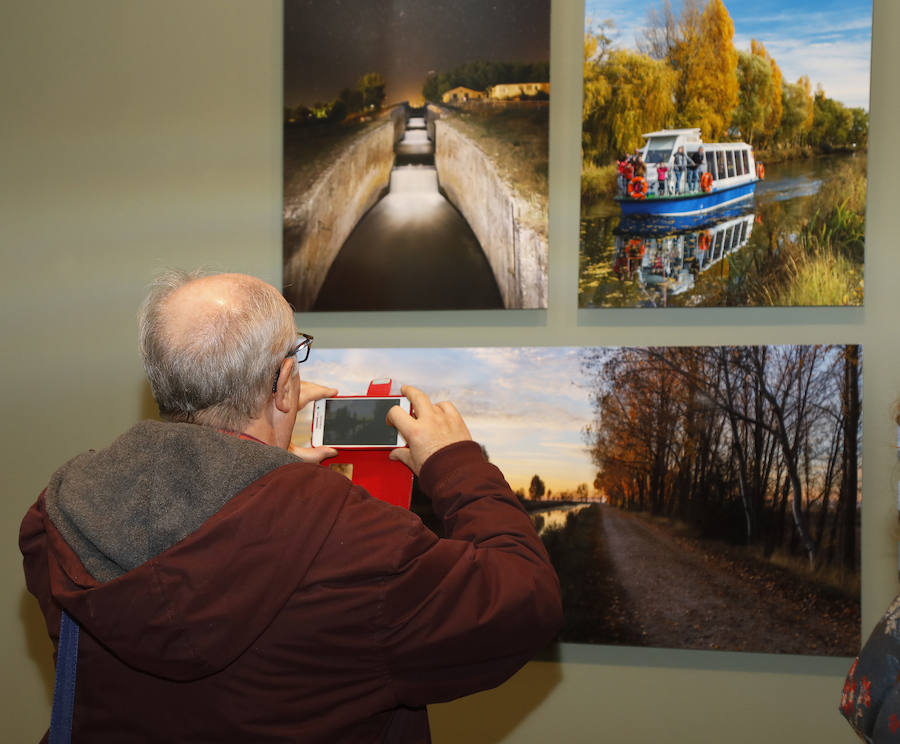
(301, 351)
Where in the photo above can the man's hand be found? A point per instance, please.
(312, 391)
(431, 427)
(312, 454)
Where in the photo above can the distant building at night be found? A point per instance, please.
(510, 91)
(461, 94)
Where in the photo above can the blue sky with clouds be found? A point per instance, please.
(828, 40)
(527, 406)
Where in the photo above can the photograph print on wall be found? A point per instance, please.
(689, 497)
(724, 149)
(415, 154)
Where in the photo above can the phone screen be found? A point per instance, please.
(358, 422)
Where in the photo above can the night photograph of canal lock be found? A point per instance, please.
(416, 154)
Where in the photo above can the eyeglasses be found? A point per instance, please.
(301, 351)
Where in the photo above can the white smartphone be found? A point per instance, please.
(356, 422)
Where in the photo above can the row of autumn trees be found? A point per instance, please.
(367, 95)
(538, 492)
(755, 445)
(686, 72)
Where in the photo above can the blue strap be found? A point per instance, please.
(64, 689)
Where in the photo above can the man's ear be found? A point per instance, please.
(285, 388)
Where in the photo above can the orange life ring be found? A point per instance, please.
(637, 187)
(760, 171)
(706, 182)
(703, 241)
(636, 248)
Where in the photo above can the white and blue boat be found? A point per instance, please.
(714, 176)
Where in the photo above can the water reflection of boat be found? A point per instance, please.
(685, 179)
(669, 262)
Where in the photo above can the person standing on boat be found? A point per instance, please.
(640, 167)
(697, 168)
(679, 162)
(661, 172)
(623, 167)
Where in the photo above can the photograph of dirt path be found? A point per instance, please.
(724, 153)
(689, 497)
(415, 154)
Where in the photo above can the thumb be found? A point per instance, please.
(401, 454)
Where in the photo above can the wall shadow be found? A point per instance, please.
(37, 642)
(493, 716)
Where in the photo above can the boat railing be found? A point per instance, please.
(675, 184)
(684, 182)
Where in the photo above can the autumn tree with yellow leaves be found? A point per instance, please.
(772, 105)
(753, 445)
(686, 72)
(706, 62)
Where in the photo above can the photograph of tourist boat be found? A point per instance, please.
(685, 179)
(762, 124)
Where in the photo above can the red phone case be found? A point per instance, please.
(385, 479)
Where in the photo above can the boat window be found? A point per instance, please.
(738, 166)
(659, 149)
(746, 161)
(710, 163)
(720, 165)
(720, 240)
(729, 157)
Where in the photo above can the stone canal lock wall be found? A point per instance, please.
(517, 254)
(319, 222)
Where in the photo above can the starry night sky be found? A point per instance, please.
(330, 45)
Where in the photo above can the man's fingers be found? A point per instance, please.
(401, 454)
(398, 418)
(313, 454)
(447, 407)
(419, 402)
(310, 391)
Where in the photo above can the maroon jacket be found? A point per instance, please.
(227, 592)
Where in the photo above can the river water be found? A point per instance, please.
(554, 518)
(413, 250)
(623, 265)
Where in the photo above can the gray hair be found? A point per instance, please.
(221, 373)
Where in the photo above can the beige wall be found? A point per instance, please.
(137, 135)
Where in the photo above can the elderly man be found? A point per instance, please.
(228, 591)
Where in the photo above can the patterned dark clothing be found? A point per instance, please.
(870, 700)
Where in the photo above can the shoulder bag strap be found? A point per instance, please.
(64, 688)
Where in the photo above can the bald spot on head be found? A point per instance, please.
(199, 307)
(212, 346)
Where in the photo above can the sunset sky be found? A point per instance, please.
(828, 40)
(528, 406)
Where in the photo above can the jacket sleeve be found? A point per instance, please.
(33, 545)
(462, 614)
